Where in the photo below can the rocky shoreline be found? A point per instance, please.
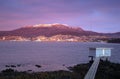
(106, 70)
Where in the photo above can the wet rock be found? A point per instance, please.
(7, 66)
(13, 66)
(38, 66)
(18, 65)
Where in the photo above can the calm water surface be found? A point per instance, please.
(50, 55)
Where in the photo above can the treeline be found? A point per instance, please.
(114, 40)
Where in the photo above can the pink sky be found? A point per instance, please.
(95, 15)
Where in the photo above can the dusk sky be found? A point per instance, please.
(95, 15)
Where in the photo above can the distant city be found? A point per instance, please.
(55, 32)
(57, 38)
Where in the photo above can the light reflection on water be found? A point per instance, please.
(50, 55)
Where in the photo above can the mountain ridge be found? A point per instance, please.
(49, 30)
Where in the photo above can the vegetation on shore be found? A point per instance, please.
(106, 70)
(114, 40)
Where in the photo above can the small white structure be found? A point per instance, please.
(100, 52)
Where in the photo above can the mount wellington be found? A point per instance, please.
(55, 32)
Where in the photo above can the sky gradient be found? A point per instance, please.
(95, 15)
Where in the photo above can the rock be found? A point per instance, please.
(38, 66)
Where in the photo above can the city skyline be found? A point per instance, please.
(99, 16)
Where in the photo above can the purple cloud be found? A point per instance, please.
(89, 14)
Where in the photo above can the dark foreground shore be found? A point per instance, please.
(106, 70)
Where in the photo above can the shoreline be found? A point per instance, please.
(59, 41)
(106, 70)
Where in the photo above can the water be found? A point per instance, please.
(50, 55)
